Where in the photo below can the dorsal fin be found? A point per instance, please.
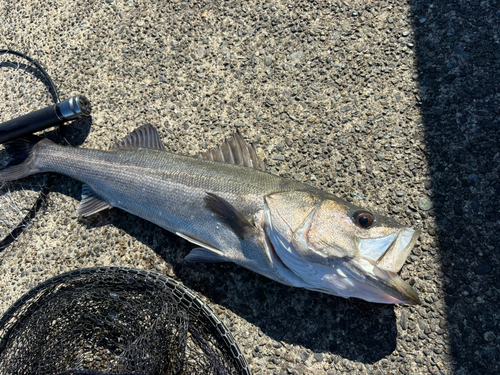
(234, 150)
(145, 136)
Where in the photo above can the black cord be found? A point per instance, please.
(12, 236)
(52, 87)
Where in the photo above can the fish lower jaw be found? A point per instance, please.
(351, 288)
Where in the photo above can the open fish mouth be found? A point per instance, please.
(378, 263)
(388, 252)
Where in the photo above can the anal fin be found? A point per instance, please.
(203, 255)
(207, 253)
(91, 203)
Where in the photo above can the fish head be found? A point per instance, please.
(338, 248)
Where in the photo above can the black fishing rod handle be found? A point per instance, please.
(53, 115)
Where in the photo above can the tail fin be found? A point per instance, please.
(22, 153)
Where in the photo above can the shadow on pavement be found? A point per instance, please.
(458, 55)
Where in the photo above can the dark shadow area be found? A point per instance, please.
(76, 132)
(353, 329)
(458, 54)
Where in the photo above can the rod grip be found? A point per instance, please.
(67, 110)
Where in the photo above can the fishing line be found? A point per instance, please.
(25, 87)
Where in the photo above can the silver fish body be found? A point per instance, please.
(283, 229)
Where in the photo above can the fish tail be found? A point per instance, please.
(23, 154)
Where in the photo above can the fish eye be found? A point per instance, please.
(363, 219)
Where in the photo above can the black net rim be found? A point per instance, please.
(196, 308)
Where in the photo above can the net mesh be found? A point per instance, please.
(113, 320)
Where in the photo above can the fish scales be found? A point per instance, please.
(129, 176)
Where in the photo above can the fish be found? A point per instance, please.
(225, 203)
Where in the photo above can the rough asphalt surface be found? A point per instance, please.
(393, 105)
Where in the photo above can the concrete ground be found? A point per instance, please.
(393, 105)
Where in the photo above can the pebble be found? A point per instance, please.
(201, 52)
(400, 193)
(403, 320)
(318, 357)
(489, 336)
(304, 355)
(425, 204)
(473, 177)
(428, 184)
(268, 61)
(296, 55)
(279, 157)
(483, 269)
(475, 206)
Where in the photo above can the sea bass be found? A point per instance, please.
(224, 203)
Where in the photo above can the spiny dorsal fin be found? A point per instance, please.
(91, 203)
(234, 150)
(226, 213)
(145, 136)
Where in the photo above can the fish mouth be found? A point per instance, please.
(379, 261)
(388, 252)
(378, 285)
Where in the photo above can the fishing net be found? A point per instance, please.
(113, 320)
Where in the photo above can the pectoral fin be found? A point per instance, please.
(91, 203)
(227, 214)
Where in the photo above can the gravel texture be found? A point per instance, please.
(393, 105)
